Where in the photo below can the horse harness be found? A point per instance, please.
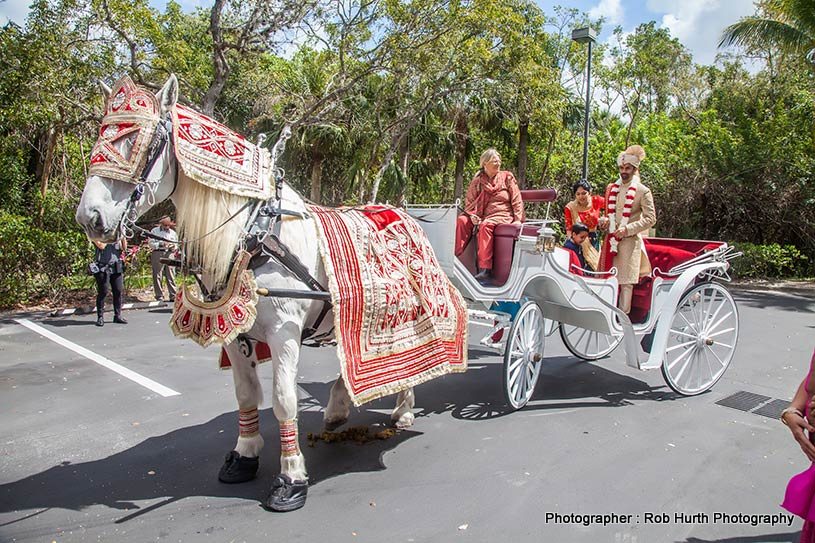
(263, 242)
(260, 241)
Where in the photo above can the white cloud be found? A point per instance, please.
(698, 24)
(611, 10)
(14, 10)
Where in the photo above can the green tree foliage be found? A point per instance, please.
(788, 25)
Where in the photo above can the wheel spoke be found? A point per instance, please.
(695, 310)
(526, 341)
(680, 345)
(718, 310)
(678, 358)
(720, 332)
(710, 304)
(684, 366)
(682, 333)
(717, 357)
(687, 321)
(707, 361)
(521, 389)
(707, 313)
(581, 337)
(515, 364)
(690, 366)
(718, 322)
(513, 377)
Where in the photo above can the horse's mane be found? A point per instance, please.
(200, 210)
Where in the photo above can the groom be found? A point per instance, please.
(630, 208)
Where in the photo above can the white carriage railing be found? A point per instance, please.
(722, 253)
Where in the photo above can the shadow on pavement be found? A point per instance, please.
(564, 383)
(61, 323)
(184, 463)
(769, 299)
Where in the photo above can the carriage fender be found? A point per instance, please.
(663, 327)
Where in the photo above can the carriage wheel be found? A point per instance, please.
(702, 340)
(523, 355)
(588, 344)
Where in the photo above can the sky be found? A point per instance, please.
(696, 23)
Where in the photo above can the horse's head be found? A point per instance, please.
(132, 165)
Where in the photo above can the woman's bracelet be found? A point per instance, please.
(790, 410)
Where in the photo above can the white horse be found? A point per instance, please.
(280, 321)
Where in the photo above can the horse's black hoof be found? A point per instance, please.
(334, 424)
(286, 495)
(238, 469)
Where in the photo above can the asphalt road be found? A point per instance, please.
(87, 454)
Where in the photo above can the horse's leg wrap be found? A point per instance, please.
(285, 345)
(289, 445)
(242, 464)
(249, 395)
(248, 422)
(402, 415)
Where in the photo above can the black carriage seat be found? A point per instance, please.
(663, 254)
(505, 236)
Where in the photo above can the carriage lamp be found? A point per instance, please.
(546, 240)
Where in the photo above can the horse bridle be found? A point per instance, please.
(163, 135)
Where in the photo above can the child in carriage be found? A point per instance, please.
(579, 233)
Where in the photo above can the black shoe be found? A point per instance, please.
(119, 320)
(238, 469)
(286, 495)
(100, 321)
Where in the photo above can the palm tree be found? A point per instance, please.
(786, 24)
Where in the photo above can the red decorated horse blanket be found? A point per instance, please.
(398, 320)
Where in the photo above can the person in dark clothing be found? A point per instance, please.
(579, 233)
(109, 260)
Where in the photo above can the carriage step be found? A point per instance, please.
(757, 404)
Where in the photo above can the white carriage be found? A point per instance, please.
(683, 317)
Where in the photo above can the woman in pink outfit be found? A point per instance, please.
(800, 495)
(492, 198)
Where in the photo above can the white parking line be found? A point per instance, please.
(101, 360)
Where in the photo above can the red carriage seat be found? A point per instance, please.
(664, 254)
(505, 236)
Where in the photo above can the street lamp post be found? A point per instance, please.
(586, 35)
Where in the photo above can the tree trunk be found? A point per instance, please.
(462, 135)
(47, 165)
(220, 66)
(395, 141)
(316, 176)
(523, 157)
(404, 162)
(549, 148)
(628, 132)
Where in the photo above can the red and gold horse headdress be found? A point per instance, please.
(207, 151)
(130, 111)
